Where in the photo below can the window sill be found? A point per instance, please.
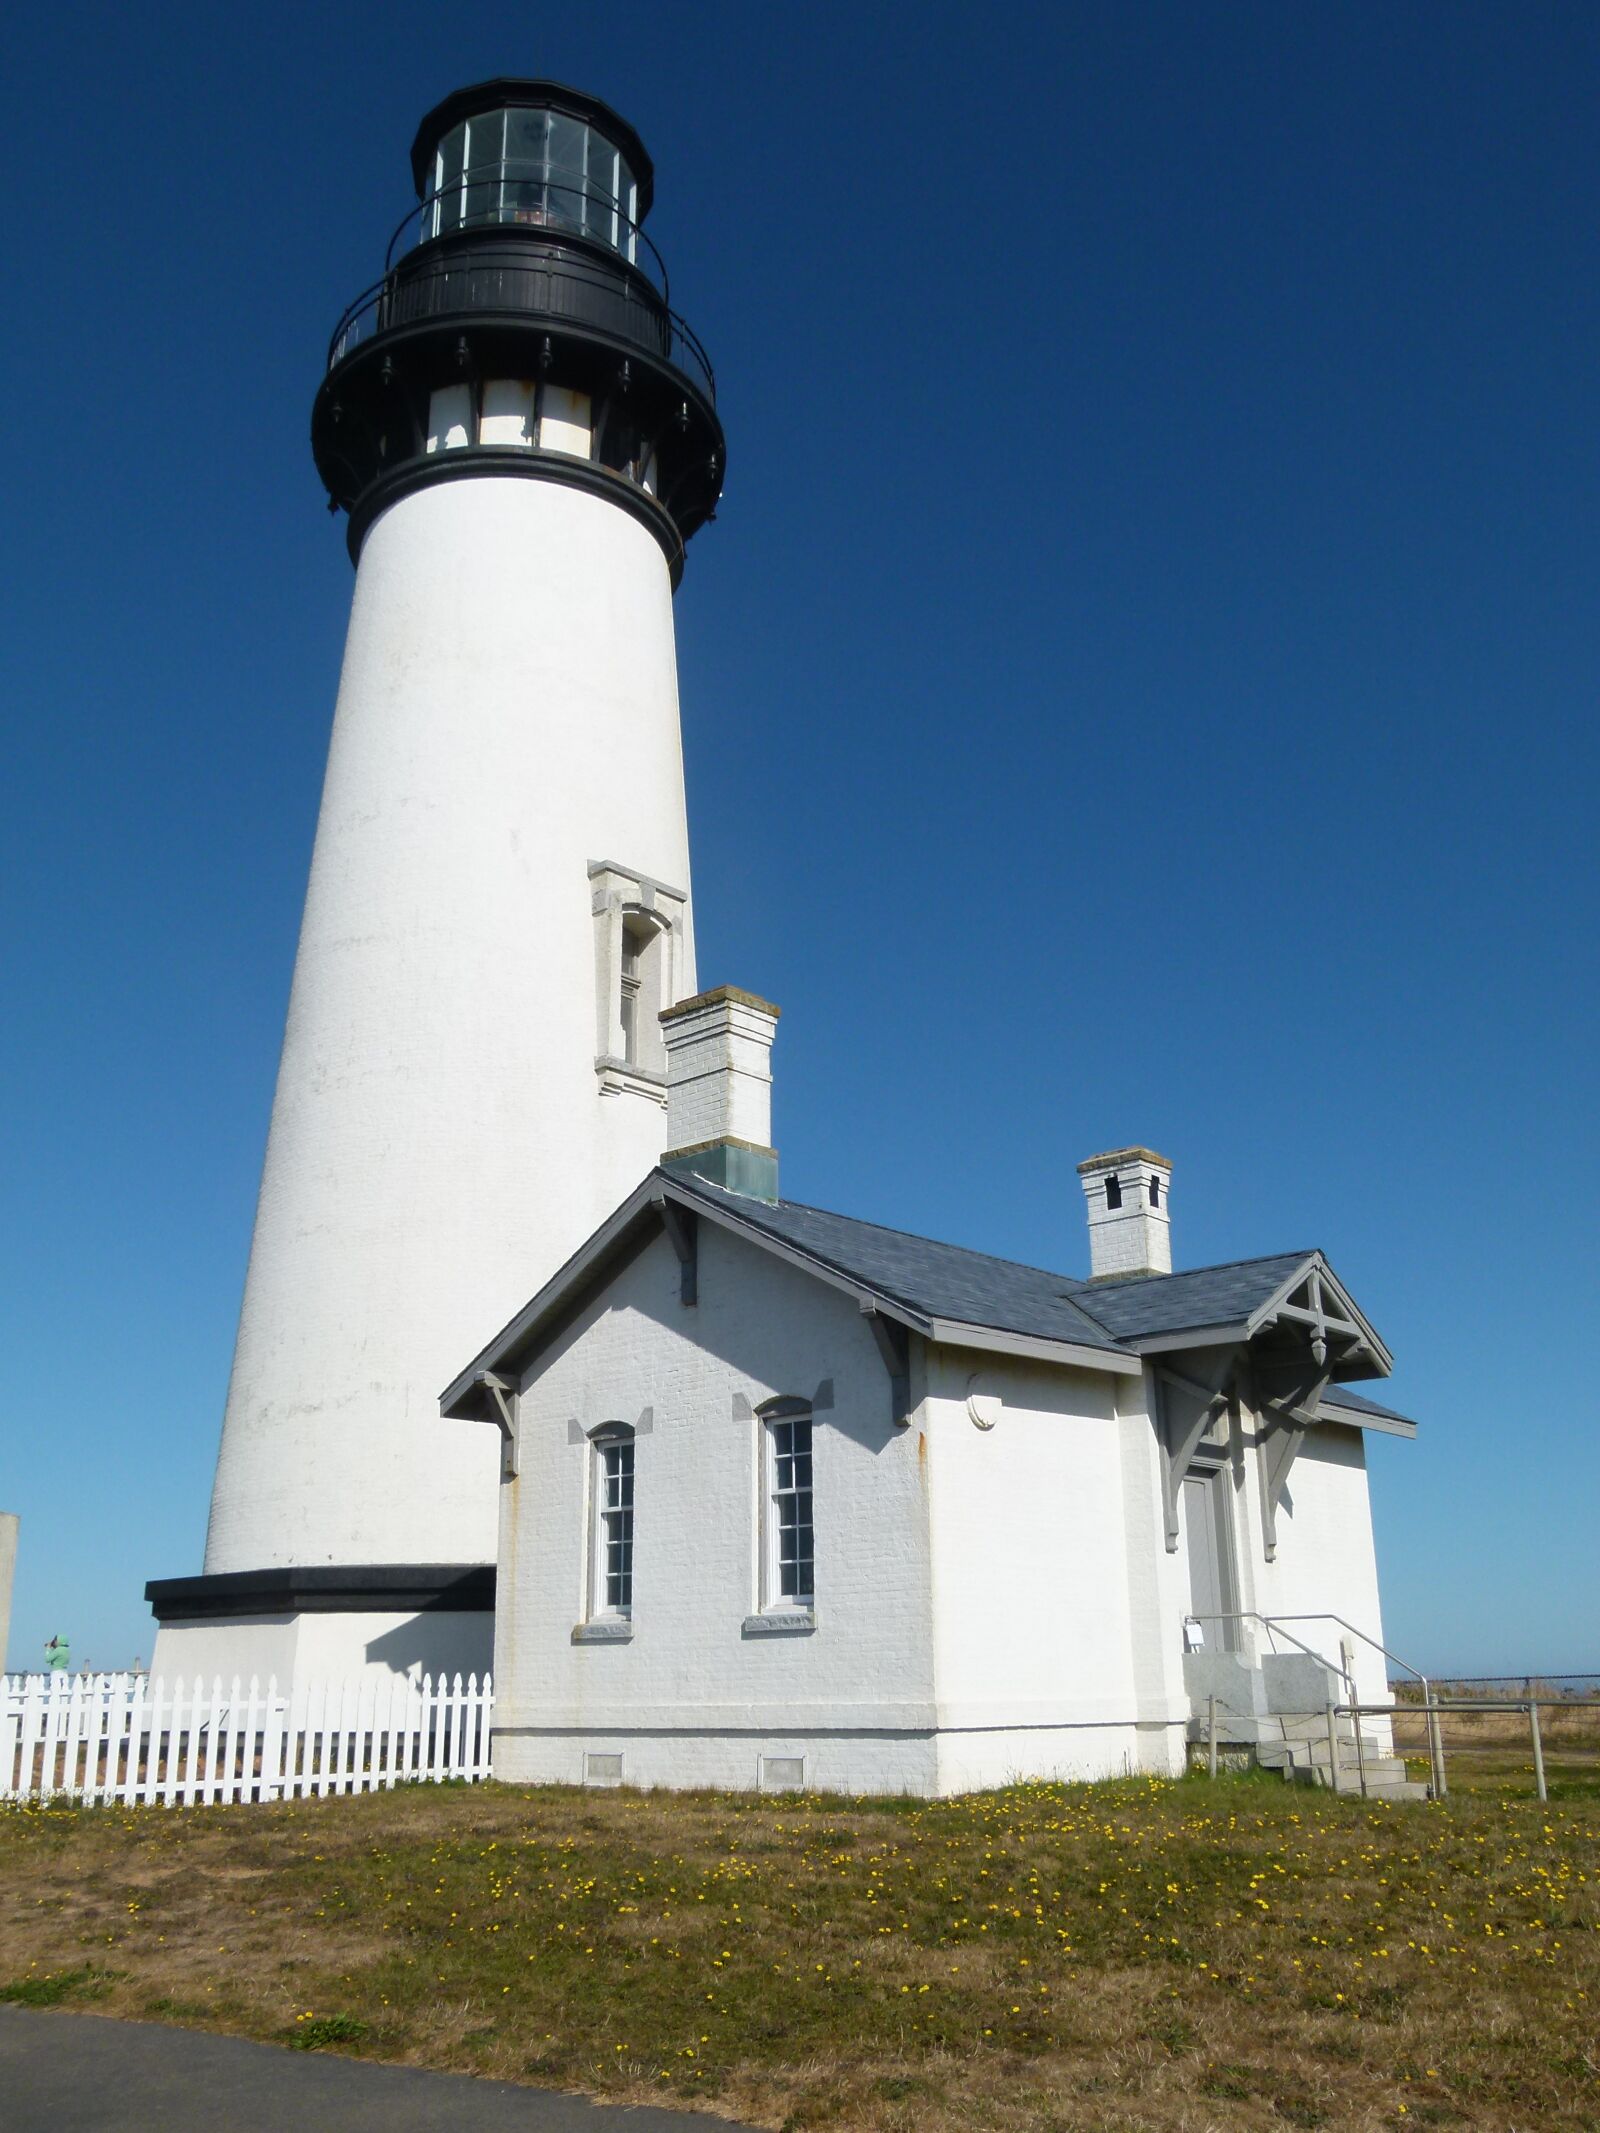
(781, 1622)
(616, 1631)
(617, 1078)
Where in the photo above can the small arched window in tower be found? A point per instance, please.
(1155, 1192)
(1113, 1192)
(633, 951)
(641, 969)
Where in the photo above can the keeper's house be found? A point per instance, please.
(790, 1499)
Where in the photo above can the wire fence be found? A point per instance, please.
(1525, 1733)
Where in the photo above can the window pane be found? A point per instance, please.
(601, 214)
(447, 178)
(485, 148)
(791, 1538)
(525, 153)
(616, 1525)
(568, 141)
(526, 134)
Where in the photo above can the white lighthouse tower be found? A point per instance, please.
(524, 435)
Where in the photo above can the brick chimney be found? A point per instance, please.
(1129, 1222)
(719, 1090)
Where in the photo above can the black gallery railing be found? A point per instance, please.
(537, 284)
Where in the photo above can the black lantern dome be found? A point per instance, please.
(522, 325)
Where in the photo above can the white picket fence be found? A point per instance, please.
(124, 1737)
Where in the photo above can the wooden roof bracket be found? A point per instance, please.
(1280, 1432)
(894, 1345)
(682, 1226)
(1185, 1411)
(503, 1414)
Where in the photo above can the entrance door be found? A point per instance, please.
(1207, 1544)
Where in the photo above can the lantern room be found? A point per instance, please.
(534, 155)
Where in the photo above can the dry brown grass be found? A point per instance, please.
(1155, 1956)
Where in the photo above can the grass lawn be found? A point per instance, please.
(1184, 1955)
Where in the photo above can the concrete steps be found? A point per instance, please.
(1303, 1757)
(1275, 1716)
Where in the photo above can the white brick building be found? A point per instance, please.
(790, 1498)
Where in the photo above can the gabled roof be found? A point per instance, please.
(943, 1291)
(1226, 1295)
(937, 1281)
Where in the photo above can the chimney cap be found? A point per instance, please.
(1114, 1158)
(715, 997)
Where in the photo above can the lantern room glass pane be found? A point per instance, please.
(485, 159)
(526, 136)
(601, 216)
(447, 180)
(568, 144)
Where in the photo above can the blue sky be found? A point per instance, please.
(1140, 684)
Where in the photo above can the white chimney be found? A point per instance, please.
(1129, 1221)
(719, 1090)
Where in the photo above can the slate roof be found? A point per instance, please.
(947, 1281)
(1204, 1296)
(934, 1281)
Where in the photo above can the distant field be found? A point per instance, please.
(1188, 1956)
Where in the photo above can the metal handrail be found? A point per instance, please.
(1274, 1626)
(1441, 1785)
(1251, 1614)
(1326, 1615)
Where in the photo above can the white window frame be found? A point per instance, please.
(779, 1419)
(612, 1439)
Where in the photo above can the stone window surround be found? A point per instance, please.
(618, 893)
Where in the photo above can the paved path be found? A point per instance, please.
(66, 2073)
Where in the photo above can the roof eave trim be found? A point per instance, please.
(961, 1333)
(1355, 1418)
(1186, 1337)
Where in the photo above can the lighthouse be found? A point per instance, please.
(522, 434)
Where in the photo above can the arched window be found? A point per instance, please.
(788, 1539)
(640, 958)
(640, 1001)
(611, 1545)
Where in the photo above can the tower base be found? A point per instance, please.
(326, 1622)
